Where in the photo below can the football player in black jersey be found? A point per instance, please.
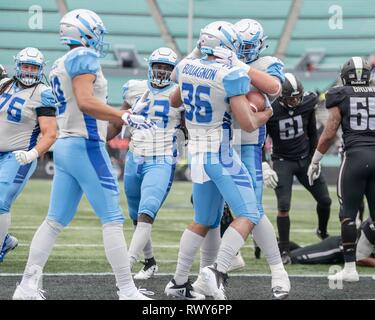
(353, 107)
(294, 137)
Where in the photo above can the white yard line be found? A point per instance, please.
(160, 229)
(67, 274)
(99, 245)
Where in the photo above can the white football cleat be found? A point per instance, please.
(31, 287)
(10, 243)
(146, 272)
(200, 286)
(214, 282)
(280, 285)
(140, 294)
(344, 275)
(27, 293)
(183, 291)
(237, 263)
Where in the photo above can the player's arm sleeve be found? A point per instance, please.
(236, 83)
(277, 70)
(334, 97)
(48, 104)
(82, 62)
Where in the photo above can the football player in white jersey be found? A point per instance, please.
(212, 94)
(82, 164)
(150, 156)
(266, 75)
(249, 145)
(27, 108)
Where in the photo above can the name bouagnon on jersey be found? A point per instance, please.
(200, 72)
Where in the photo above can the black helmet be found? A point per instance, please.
(3, 72)
(356, 72)
(292, 91)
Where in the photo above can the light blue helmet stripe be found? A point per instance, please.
(227, 36)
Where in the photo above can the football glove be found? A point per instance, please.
(138, 122)
(141, 103)
(226, 56)
(269, 176)
(25, 157)
(196, 53)
(313, 172)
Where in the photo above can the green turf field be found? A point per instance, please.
(79, 247)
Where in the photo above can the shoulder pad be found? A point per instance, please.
(4, 80)
(264, 62)
(132, 88)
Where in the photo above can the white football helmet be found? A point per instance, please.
(219, 34)
(29, 56)
(253, 39)
(84, 27)
(160, 75)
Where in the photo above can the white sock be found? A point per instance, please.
(265, 237)
(41, 247)
(189, 245)
(210, 247)
(350, 266)
(277, 268)
(231, 243)
(117, 255)
(4, 226)
(141, 236)
(148, 252)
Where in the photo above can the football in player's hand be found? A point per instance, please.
(256, 100)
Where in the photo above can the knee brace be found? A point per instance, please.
(369, 231)
(348, 231)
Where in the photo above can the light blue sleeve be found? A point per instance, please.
(125, 91)
(48, 99)
(82, 62)
(236, 83)
(276, 70)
